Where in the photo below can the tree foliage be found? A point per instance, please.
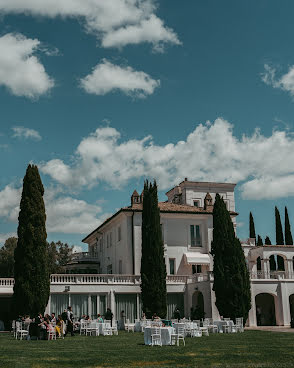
(251, 227)
(59, 254)
(153, 269)
(279, 229)
(32, 285)
(288, 234)
(7, 257)
(231, 277)
(259, 241)
(267, 241)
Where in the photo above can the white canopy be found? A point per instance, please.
(197, 258)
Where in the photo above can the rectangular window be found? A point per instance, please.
(110, 239)
(196, 269)
(195, 236)
(101, 244)
(120, 267)
(119, 234)
(109, 269)
(171, 266)
(196, 203)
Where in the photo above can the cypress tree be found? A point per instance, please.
(259, 241)
(32, 285)
(288, 234)
(267, 241)
(279, 229)
(251, 227)
(231, 277)
(153, 269)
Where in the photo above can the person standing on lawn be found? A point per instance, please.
(109, 315)
(69, 321)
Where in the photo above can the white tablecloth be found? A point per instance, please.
(220, 325)
(138, 327)
(165, 333)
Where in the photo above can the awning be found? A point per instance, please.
(197, 258)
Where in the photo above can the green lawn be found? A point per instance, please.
(249, 349)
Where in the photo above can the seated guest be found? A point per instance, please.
(99, 318)
(155, 317)
(27, 321)
(143, 317)
(60, 326)
(53, 318)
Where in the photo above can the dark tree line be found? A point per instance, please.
(279, 230)
(58, 253)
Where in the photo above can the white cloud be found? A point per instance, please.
(26, 133)
(21, 71)
(65, 214)
(107, 77)
(9, 202)
(115, 22)
(285, 82)
(210, 153)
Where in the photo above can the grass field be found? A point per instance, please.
(249, 349)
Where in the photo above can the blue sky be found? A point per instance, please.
(134, 69)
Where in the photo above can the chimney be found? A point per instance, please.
(135, 198)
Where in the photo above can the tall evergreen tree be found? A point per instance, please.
(231, 277)
(32, 285)
(251, 227)
(267, 241)
(259, 241)
(279, 229)
(153, 269)
(288, 234)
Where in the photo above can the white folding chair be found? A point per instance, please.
(83, 326)
(239, 324)
(129, 326)
(179, 335)
(107, 331)
(51, 333)
(114, 329)
(155, 336)
(195, 331)
(20, 330)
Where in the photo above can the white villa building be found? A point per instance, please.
(108, 275)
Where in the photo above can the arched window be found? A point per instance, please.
(258, 264)
(276, 263)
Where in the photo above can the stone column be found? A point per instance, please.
(266, 268)
(112, 304)
(290, 268)
(138, 306)
(89, 306)
(98, 303)
(252, 313)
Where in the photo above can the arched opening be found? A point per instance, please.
(197, 310)
(276, 263)
(291, 303)
(265, 310)
(258, 264)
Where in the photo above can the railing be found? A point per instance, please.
(84, 256)
(94, 279)
(7, 282)
(272, 275)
